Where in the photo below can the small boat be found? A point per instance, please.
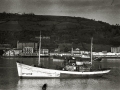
(70, 70)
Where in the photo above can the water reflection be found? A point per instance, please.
(36, 84)
(63, 84)
(9, 79)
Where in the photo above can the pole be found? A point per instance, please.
(39, 49)
(91, 48)
(72, 51)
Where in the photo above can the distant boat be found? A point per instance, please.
(70, 70)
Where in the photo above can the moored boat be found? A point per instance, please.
(71, 69)
(26, 71)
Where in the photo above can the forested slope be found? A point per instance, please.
(76, 31)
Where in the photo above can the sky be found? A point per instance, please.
(102, 10)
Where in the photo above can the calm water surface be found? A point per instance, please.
(9, 79)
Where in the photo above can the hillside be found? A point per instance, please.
(61, 29)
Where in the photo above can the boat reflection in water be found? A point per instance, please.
(63, 84)
(10, 81)
(36, 84)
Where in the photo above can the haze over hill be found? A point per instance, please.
(70, 31)
(104, 10)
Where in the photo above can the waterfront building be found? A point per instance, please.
(31, 49)
(12, 52)
(78, 52)
(21, 45)
(4, 47)
(26, 49)
(115, 49)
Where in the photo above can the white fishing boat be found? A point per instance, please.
(26, 71)
(70, 70)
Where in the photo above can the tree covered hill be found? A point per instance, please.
(61, 29)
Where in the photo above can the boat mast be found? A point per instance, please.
(72, 51)
(91, 48)
(39, 49)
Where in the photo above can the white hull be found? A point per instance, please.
(26, 71)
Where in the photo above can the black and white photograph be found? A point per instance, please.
(59, 44)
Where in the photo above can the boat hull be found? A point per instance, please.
(26, 71)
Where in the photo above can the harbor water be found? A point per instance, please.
(9, 79)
